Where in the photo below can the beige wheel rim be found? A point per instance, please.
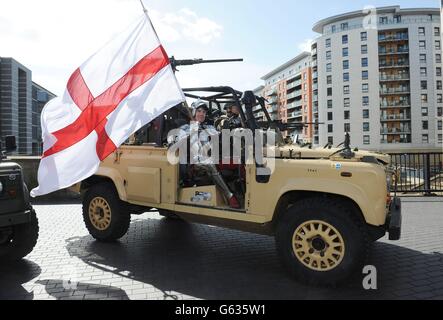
(318, 245)
(100, 213)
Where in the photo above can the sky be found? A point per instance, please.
(54, 37)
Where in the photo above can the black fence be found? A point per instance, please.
(418, 173)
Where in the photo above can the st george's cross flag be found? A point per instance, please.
(124, 86)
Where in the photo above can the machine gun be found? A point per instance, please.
(189, 62)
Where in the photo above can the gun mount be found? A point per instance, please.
(190, 62)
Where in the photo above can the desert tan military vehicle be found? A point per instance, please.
(323, 206)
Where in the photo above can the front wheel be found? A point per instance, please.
(104, 214)
(18, 241)
(322, 241)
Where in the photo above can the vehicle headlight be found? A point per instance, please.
(1, 187)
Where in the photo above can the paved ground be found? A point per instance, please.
(162, 259)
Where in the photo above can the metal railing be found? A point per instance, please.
(418, 173)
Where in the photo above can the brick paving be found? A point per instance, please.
(162, 259)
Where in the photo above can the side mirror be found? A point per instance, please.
(10, 143)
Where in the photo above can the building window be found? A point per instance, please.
(347, 127)
(344, 39)
(366, 114)
(328, 55)
(422, 44)
(439, 125)
(347, 102)
(424, 85)
(366, 140)
(437, 45)
(328, 67)
(328, 43)
(364, 49)
(439, 112)
(329, 92)
(423, 72)
(345, 26)
(330, 117)
(437, 32)
(365, 88)
(421, 31)
(438, 71)
(365, 101)
(347, 115)
(333, 28)
(425, 125)
(425, 138)
(383, 20)
(331, 140)
(422, 58)
(346, 89)
(346, 77)
(439, 85)
(329, 80)
(424, 112)
(346, 64)
(424, 98)
(439, 98)
(345, 52)
(329, 104)
(397, 19)
(364, 62)
(365, 75)
(440, 138)
(366, 127)
(363, 36)
(438, 58)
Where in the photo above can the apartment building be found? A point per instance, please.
(378, 75)
(21, 103)
(288, 89)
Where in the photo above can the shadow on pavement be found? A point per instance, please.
(81, 291)
(12, 278)
(213, 263)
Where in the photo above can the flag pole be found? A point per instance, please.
(147, 16)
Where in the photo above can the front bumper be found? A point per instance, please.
(394, 220)
(12, 219)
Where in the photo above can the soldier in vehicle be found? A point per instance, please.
(234, 119)
(200, 145)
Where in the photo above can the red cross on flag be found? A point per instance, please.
(121, 88)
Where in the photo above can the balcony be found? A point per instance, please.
(296, 104)
(272, 92)
(392, 51)
(293, 95)
(391, 38)
(395, 91)
(383, 141)
(394, 77)
(273, 101)
(394, 65)
(294, 115)
(272, 109)
(395, 106)
(396, 131)
(293, 84)
(395, 117)
(315, 75)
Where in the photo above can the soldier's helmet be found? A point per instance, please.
(198, 104)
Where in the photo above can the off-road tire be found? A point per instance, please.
(336, 213)
(119, 217)
(22, 242)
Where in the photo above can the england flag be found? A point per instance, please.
(121, 88)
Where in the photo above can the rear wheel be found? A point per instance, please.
(104, 213)
(322, 241)
(16, 242)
